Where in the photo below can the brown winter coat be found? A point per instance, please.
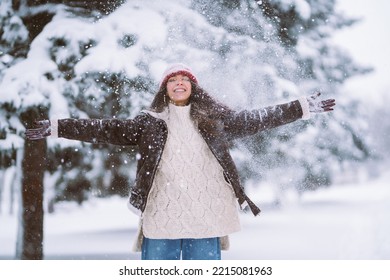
(150, 134)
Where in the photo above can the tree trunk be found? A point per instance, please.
(30, 237)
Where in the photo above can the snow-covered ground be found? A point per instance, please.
(345, 222)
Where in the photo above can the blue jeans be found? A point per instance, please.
(190, 249)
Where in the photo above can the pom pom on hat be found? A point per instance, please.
(177, 69)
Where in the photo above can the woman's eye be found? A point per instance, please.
(183, 79)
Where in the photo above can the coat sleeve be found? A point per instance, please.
(108, 131)
(248, 122)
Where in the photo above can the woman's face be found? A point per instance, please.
(179, 89)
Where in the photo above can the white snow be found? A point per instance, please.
(345, 222)
(367, 41)
(301, 7)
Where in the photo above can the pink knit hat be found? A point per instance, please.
(177, 69)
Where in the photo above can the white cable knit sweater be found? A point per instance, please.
(189, 197)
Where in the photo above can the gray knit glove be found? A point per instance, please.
(319, 106)
(42, 130)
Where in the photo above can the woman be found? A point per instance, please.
(187, 185)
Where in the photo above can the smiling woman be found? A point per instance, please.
(187, 191)
(179, 89)
(177, 79)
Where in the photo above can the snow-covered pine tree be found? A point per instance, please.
(14, 46)
(25, 97)
(294, 56)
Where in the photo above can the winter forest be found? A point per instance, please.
(103, 59)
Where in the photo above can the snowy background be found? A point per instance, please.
(367, 41)
(347, 220)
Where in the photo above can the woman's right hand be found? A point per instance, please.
(42, 130)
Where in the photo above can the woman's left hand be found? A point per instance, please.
(319, 106)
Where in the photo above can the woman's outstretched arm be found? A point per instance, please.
(249, 122)
(110, 131)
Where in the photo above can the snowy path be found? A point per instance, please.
(347, 222)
